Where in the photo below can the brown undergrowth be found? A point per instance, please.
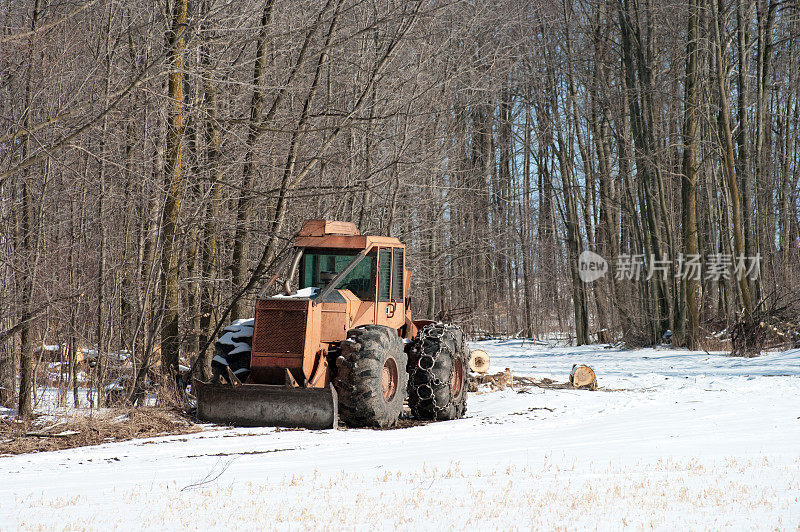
(49, 433)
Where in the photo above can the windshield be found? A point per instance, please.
(319, 267)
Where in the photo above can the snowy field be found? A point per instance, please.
(673, 440)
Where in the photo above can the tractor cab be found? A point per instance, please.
(337, 263)
(345, 280)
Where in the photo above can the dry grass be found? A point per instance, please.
(558, 494)
(46, 433)
(716, 343)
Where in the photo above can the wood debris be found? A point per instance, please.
(582, 377)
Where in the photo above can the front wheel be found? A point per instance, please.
(370, 377)
(437, 367)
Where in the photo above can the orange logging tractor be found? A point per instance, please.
(343, 345)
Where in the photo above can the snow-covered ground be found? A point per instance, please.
(674, 440)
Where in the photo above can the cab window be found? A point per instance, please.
(385, 274)
(397, 274)
(319, 267)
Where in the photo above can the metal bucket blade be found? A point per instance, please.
(262, 405)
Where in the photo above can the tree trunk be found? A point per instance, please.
(170, 270)
(101, 222)
(726, 139)
(27, 241)
(209, 239)
(691, 285)
(765, 15)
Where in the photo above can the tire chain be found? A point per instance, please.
(418, 353)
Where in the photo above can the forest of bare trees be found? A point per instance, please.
(156, 159)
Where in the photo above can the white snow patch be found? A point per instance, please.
(120, 357)
(241, 347)
(48, 348)
(304, 293)
(115, 386)
(686, 440)
(232, 338)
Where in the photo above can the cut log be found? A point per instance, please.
(582, 376)
(479, 361)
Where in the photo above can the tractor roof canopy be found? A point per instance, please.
(343, 235)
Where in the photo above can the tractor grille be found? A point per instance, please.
(280, 326)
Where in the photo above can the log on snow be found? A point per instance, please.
(582, 376)
(479, 361)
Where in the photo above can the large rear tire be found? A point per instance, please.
(437, 387)
(233, 350)
(371, 380)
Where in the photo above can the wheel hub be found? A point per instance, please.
(389, 379)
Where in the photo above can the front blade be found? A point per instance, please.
(262, 405)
